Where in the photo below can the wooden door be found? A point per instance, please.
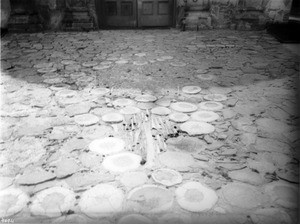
(155, 13)
(117, 13)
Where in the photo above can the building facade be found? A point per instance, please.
(74, 15)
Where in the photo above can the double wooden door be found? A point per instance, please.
(135, 13)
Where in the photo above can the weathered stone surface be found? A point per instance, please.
(25, 151)
(66, 167)
(246, 176)
(90, 160)
(272, 145)
(80, 181)
(186, 144)
(35, 177)
(5, 182)
(75, 109)
(271, 128)
(283, 194)
(243, 195)
(270, 215)
(33, 126)
(74, 144)
(133, 179)
(266, 100)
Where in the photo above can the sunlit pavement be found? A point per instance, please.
(153, 126)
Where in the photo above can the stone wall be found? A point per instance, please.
(235, 14)
(202, 14)
(5, 13)
(51, 12)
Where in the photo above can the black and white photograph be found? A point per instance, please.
(150, 111)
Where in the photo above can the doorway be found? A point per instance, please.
(135, 13)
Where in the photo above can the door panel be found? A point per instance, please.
(135, 13)
(155, 12)
(120, 13)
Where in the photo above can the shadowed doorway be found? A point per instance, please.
(135, 13)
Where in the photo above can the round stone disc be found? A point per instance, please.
(197, 127)
(112, 117)
(129, 110)
(106, 146)
(86, 119)
(12, 201)
(176, 160)
(283, 194)
(206, 116)
(178, 64)
(195, 197)
(100, 200)
(47, 70)
(162, 111)
(122, 162)
(89, 64)
(211, 105)
(145, 98)
(184, 107)
(149, 199)
(215, 97)
(122, 102)
(206, 77)
(179, 117)
(243, 195)
(52, 202)
(100, 91)
(191, 89)
(166, 177)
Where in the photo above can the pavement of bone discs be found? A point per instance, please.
(148, 127)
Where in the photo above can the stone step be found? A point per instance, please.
(71, 29)
(79, 25)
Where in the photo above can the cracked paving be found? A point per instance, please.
(169, 126)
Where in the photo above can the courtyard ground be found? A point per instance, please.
(148, 126)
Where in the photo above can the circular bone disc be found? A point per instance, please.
(12, 201)
(100, 200)
(47, 70)
(106, 146)
(176, 160)
(184, 107)
(145, 98)
(211, 105)
(122, 102)
(53, 201)
(150, 199)
(167, 177)
(163, 111)
(283, 194)
(129, 110)
(112, 117)
(89, 64)
(195, 197)
(191, 89)
(179, 117)
(197, 127)
(122, 162)
(178, 64)
(206, 116)
(215, 97)
(100, 91)
(242, 195)
(206, 77)
(86, 119)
